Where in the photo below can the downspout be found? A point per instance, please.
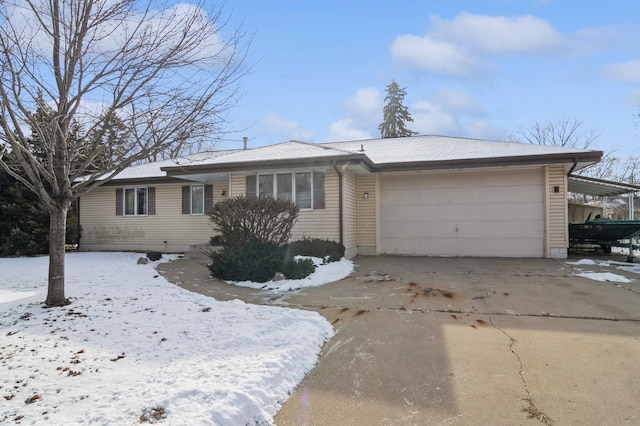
(340, 202)
(78, 224)
(575, 164)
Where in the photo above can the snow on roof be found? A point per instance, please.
(153, 170)
(443, 148)
(292, 150)
(379, 151)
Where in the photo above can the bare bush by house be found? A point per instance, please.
(242, 220)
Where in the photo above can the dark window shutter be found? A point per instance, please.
(151, 200)
(119, 200)
(186, 199)
(208, 198)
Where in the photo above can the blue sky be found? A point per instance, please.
(480, 69)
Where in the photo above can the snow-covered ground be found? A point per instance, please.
(324, 273)
(606, 276)
(132, 347)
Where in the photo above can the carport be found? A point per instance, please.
(603, 188)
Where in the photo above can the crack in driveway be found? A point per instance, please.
(532, 409)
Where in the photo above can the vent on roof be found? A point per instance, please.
(361, 148)
(244, 142)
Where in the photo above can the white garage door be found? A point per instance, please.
(488, 213)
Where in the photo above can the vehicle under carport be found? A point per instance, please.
(600, 231)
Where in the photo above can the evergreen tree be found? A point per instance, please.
(395, 114)
(24, 220)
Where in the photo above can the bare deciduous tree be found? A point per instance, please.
(562, 132)
(567, 133)
(141, 79)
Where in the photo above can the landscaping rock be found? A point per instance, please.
(153, 256)
(278, 277)
(143, 261)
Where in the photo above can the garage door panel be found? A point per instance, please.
(504, 229)
(488, 213)
(484, 247)
(462, 212)
(462, 179)
(462, 196)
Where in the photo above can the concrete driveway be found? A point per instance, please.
(465, 341)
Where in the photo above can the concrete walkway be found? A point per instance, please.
(424, 341)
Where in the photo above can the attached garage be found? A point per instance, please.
(464, 213)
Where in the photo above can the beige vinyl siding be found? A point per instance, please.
(557, 215)
(321, 223)
(237, 184)
(167, 230)
(366, 214)
(218, 189)
(350, 209)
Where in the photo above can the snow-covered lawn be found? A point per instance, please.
(133, 347)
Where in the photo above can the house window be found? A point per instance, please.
(251, 186)
(303, 190)
(306, 189)
(284, 187)
(318, 190)
(135, 201)
(265, 185)
(197, 199)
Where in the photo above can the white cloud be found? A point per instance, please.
(458, 101)
(624, 71)
(274, 124)
(363, 115)
(429, 54)
(447, 111)
(347, 129)
(451, 112)
(430, 118)
(120, 27)
(498, 34)
(365, 103)
(458, 47)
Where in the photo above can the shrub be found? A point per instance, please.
(296, 269)
(330, 251)
(257, 261)
(244, 219)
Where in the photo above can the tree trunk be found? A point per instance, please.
(57, 232)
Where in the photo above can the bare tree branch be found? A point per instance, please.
(562, 132)
(116, 82)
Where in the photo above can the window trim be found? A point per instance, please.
(274, 192)
(135, 201)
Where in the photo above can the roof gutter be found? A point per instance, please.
(524, 160)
